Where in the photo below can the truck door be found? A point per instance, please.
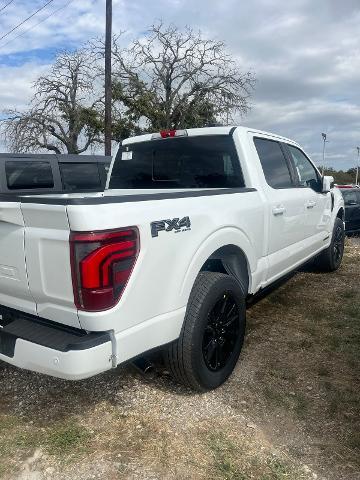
(317, 204)
(286, 203)
(14, 287)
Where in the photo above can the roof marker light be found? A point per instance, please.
(169, 134)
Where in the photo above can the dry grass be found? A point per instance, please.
(290, 411)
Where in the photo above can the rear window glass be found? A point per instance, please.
(80, 176)
(188, 162)
(23, 175)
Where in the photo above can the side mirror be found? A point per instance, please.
(327, 183)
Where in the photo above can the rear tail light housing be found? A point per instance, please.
(101, 264)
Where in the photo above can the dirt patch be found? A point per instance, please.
(290, 411)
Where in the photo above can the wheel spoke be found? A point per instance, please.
(219, 355)
(211, 318)
(221, 332)
(210, 349)
(230, 321)
(232, 307)
(226, 298)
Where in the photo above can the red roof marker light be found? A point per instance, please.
(169, 134)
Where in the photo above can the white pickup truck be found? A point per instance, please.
(191, 225)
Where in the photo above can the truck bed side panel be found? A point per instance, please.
(156, 286)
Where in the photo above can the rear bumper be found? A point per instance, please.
(47, 347)
(56, 350)
(72, 365)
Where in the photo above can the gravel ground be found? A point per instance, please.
(290, 411)
(355, 239)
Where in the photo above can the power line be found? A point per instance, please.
(9, 3)
(26, 19)
(36, 24)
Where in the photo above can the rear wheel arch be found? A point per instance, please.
(230, 259)
(228, 250)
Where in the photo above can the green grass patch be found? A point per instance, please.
(352, 310)
(278, 470)
(16, 436)
(223, 451)
(349, 294)
(233, 463)
(67, 439)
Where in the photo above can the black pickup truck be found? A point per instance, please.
(352, 209)
(43, 173)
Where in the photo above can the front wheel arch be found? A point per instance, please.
(341, 214)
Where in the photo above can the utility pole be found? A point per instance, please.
(108, 38)
(324, 139)
(357, 166)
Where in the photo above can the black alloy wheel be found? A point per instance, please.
(213, 332)
(330, 259)
(338, 244)
(221, 332)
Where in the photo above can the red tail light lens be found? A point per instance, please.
(101, 264)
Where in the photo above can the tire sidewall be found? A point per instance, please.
(336, 264)
(207, 378)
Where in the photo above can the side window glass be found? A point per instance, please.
(77, 176)
(350, 197)
(308, 176)
(273, 162)
(25, 175)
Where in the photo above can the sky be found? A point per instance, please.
(305, 55)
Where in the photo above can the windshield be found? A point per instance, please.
(189, 162)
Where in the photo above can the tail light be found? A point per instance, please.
(101, 264)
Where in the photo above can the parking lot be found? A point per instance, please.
(290, 411)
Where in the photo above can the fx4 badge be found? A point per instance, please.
(174, 224)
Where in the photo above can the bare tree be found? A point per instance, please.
(66, 111)
(176, 78)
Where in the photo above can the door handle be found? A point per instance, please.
(310, 204)
(279, 210)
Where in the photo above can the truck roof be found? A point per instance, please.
(63, 158)
(218, 130)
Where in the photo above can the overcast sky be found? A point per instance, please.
(304, 53)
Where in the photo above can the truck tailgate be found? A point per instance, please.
(14, 286)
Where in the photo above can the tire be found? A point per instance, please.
(210, 342)
(330, 259)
